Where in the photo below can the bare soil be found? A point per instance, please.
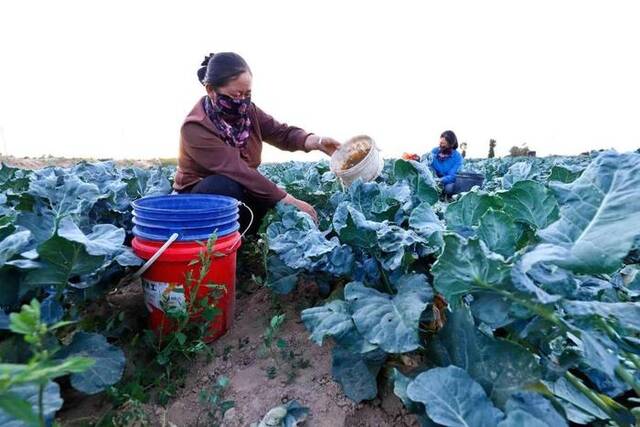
(238, 356)
(252, 390)
(65, 162)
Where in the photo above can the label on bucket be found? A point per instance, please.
(161, 294)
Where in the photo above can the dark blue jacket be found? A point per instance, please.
(447, 168)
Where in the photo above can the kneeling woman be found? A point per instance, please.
(221, 141)
(446, 161)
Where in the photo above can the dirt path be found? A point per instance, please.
(238, 357)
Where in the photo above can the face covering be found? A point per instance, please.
(233, 109)
(230, 117)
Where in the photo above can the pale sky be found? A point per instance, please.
(116, 78)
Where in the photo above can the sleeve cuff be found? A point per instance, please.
(301, 145)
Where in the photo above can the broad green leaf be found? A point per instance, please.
(520, 418)
(331, 319)
(377, 201)
(498, 231)
(522, 282)
(281, 278)
(353, 228)
(298, 242)
(547, 276)
(468, 209)
(530, 202)
(296, 414)
(500, 366)
(105, 239)
(65, 193)
(452, 398)
(127, 258)
(390, 321)
(63, 260)
(339, 262)
(577, 406)
(334, 320)
(13, 245)
(599, 352)
(7, 219)
(518, 172)
(42, 225)
(419, 178)
(108, 368)
(492, 309)
(465, 266)
(29, 393)
(599, 215)
(13, 180)
(537, 406)
(395, 242)
(423, 219)
(400, 384)
(145, 182)
(357, 373)
(426, 223)
(581, 409)
(564, 174)
(626, 314)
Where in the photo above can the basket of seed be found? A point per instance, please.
(359, 157)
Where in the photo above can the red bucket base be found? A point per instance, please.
(165, 280)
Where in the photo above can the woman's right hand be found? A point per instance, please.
(302, 206)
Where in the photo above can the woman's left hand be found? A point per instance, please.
(325, 144)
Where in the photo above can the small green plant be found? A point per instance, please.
(270, 336)
(215, 405)
(226, 353)
(271, 341)
(282, 355)
(187, 326)
(41, 368)
(272, 372)
(130, 414)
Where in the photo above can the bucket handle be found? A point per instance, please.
(175, 236)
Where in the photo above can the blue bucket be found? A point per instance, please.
(192, 216)
(180, 223)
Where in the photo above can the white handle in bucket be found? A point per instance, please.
(175, 236)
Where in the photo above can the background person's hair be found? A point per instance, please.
(220, 68)
(451, 139)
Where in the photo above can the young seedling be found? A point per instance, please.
(188, 325)
(215, 405)
(280, 352)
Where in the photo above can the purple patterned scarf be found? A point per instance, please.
(231, 118)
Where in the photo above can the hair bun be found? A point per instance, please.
(206, 59)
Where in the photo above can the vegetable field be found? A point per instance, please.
(515, 304)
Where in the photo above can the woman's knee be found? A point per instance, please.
(449, 188)
(221, 185)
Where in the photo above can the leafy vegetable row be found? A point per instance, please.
(64, 236)
(539, 273)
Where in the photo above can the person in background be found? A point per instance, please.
(446, 161)
(221, 141)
